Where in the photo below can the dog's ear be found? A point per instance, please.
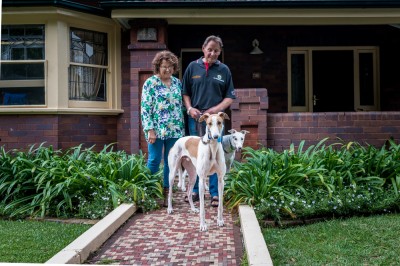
(232, 131)
(204, 117)
(244, 132)
(223, 115)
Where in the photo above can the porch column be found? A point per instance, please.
(147, 37)
(249, 112)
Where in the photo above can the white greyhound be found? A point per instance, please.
(200, 156)
(231, 144)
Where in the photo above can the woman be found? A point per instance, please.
(161, 112)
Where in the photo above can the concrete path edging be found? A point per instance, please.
(79, 250)
(257, 251)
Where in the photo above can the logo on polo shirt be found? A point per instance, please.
(219, 78)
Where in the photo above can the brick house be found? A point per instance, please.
(71, 71)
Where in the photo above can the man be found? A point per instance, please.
(207, 88)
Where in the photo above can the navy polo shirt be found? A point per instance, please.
(206, 89)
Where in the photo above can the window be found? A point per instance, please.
(298, 93)
(333, 79)
(88, 66)
(23, 65)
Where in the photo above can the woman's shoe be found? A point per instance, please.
(165, 194)
(195, 197)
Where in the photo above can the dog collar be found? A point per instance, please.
(224, 149)
(231, 147)
(205, 142)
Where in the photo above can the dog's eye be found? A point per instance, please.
(219, 123)
(235, 138)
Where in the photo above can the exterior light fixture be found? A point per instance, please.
(256, 50)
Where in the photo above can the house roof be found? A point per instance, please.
(104, 6)
(92, 7)
(251, 3)
(235, 12)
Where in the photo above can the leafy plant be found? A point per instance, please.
(77, 182)
(339, 179)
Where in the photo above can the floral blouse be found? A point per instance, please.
(161, 108)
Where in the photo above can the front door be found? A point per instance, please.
(333, 81)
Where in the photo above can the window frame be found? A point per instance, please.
(357, 50)
(90, 104)
(57, 22)
(27, 83)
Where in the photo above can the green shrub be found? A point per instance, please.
(78, 182)
(335, 180)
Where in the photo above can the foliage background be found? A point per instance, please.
(341, 179)
(79, 182)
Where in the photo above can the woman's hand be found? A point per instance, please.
(152, 136)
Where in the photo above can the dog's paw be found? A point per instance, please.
(220, 222)
(195, 210)
(203, 227)
(170, 210)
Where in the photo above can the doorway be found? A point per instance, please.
(333, 81)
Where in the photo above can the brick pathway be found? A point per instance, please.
(158, 238)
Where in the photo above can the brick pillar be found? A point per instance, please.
(249, 112)
(147, 37)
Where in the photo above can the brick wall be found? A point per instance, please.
(249, 112)
(373, 128)
(125, 120)
(141, 55)
(59, 131)
(87, 129)
(20, 131)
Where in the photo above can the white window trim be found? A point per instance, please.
(58, 22)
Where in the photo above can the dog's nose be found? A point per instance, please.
(215, 136)
(239, 149)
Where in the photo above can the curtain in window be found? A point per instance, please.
(88, 82)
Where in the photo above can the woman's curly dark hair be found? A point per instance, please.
(167, 56)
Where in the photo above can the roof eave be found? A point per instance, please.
(59, 3)
(251, 4)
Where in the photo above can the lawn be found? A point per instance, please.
(35, 241)
(370, 240)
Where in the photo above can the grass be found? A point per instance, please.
(370, 240)
(34, 241)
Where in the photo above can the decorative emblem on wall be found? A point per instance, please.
(147, 34)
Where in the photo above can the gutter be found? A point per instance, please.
(74, 5)
(251, 4)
